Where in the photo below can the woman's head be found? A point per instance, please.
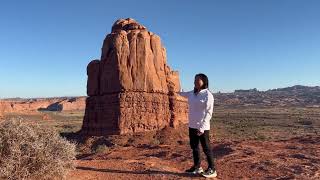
(200, 82)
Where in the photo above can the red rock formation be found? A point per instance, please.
(51, 104)
(73, 104)
(131, 89)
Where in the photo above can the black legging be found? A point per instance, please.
(205, 142)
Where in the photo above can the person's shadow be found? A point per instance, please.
(154, 172)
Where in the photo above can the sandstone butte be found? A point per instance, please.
(131, 88)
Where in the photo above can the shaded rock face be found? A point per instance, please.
(132, 89)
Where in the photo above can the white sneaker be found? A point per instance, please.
(210, 173)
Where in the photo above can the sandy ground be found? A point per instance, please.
(297, 158)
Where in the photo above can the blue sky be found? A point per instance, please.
(45, 46)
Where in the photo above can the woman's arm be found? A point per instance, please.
(185, 94)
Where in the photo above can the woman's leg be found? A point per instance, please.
(194, 143)
(205, 143)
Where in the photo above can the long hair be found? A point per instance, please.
(205, 80)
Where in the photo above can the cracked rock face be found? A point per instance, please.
(131, 89)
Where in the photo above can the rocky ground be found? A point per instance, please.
(295, 158)
(248, 143)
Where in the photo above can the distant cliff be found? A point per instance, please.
(299, 96)
(20, 105)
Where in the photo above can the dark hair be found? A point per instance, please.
(205, 80)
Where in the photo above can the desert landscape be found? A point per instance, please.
(259, 142)
(131, 121)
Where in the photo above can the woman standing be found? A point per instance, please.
(200, 112)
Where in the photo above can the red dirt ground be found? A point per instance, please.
(295, 158)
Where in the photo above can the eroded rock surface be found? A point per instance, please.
(132, 88)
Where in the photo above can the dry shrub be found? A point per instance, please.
(29, 151)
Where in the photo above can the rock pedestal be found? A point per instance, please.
(132, 89)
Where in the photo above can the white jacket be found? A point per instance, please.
(200, 109)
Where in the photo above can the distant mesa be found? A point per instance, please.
(53, 107)
(295, 96)
(20, 105)
(246, 90)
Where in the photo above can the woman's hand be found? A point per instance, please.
(199, 133)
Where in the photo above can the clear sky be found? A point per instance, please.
(45, 45)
